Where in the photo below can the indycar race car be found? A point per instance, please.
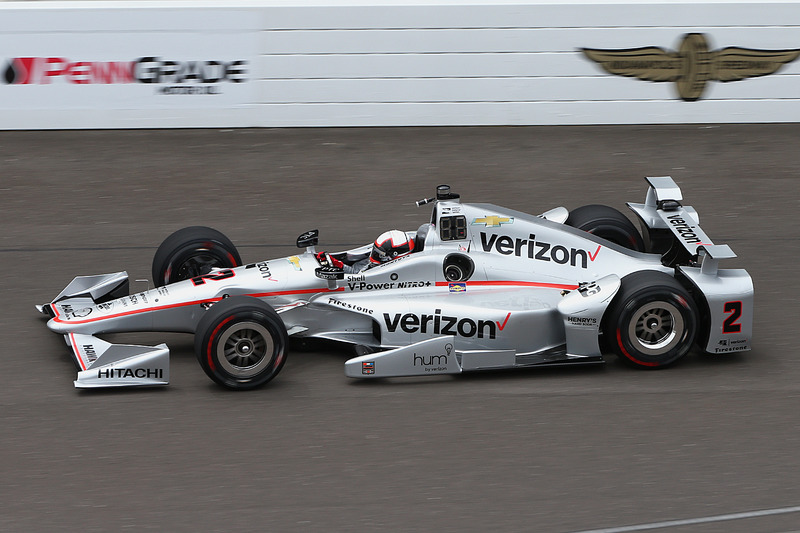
(483, 287)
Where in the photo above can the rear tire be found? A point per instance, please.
(191, 252)
(608, 223)
(241, 343)
(652, 321)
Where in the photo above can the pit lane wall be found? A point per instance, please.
(281, 63)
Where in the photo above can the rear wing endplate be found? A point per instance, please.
(662, 209)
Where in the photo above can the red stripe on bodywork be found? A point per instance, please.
(512, 284)
(286, 293)
(184, 304)
(75, 349)
(134, 312)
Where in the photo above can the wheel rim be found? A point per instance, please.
(245, 349)
(656, 328)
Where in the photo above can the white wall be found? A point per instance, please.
(351, 63)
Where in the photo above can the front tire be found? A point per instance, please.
(241, 343)
(608, 223)
(191, 252)
(652, 321)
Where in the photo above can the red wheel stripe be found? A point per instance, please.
(211, 341)
(75, 349)
(628, 355)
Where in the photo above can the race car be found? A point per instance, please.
(478, 287)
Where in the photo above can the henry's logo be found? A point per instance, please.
(538, 250)
(440, 324)
(693, 65)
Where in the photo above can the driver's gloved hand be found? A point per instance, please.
(325, 258)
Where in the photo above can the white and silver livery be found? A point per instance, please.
(484, 288)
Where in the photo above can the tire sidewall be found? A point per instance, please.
(650, 290)
(189, 250)
(608, 223)
(212, 329)
(185, 243)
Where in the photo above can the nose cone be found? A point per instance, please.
(60, 327)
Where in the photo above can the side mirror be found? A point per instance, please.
(331, 274)
(308, 239)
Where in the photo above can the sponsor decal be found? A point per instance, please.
(588, 289)
(537, 250)
(172, 76)
(141, 373)
(90, 353)
(459, 286)
(81, 313)
(439, 324)
(727, 342)
(693, 65)
(582, 321)
(108, 306)
(295, 262)
(263, 267)
(368, 367)
(364, 286)
(350, 306)
(730, 349)
(683, 228)
(68, 310)
(434, 363)
(492, 221)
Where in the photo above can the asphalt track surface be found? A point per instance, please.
(703, 447)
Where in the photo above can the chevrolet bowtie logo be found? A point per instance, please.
(493, 221)
(295, 261)
(693, 65)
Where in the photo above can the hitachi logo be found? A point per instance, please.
(439, 324)
(538, 250)
(117, 373)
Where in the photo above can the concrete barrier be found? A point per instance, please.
(66, 65)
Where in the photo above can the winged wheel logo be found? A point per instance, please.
(693, 65)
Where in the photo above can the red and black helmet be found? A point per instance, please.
(391, 245)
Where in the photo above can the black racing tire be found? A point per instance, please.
(608, 223)
(652, 320)
(241, 343)
(191, 252)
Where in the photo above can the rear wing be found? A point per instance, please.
(662, 210)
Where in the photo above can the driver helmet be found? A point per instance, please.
(390, 245)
